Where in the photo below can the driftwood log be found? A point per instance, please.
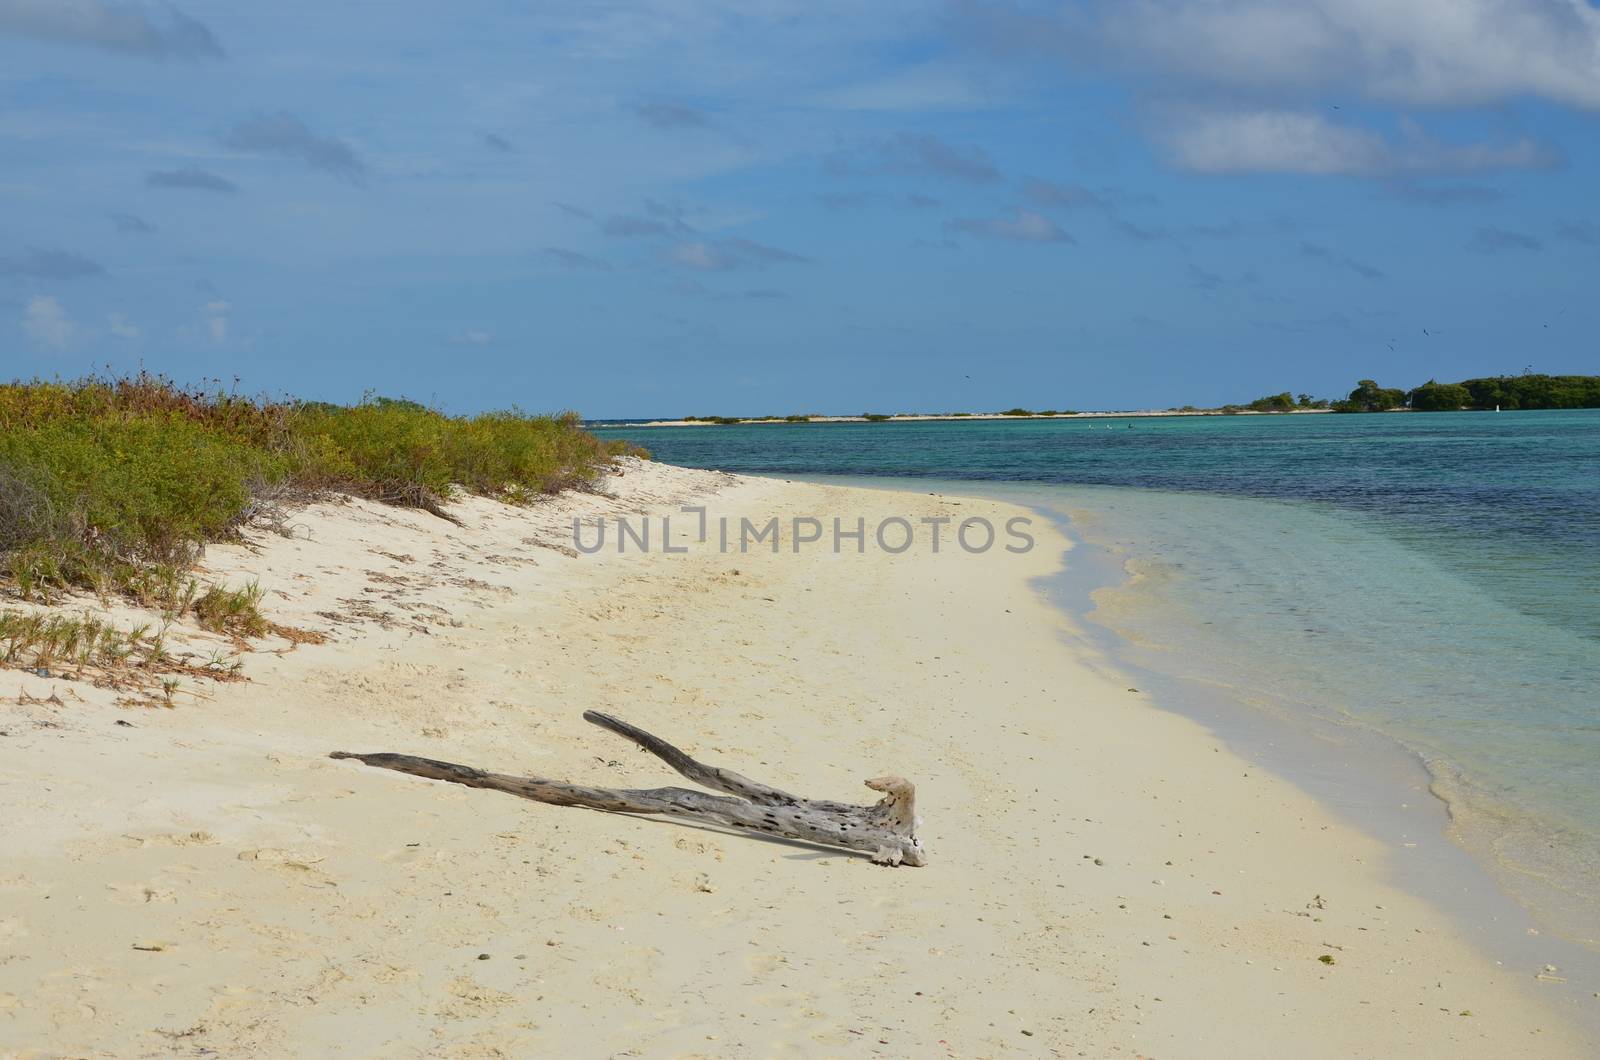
(887, 829)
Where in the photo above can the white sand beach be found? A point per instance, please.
(1104, 877)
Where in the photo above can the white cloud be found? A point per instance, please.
(46, 323)
(217, 315)
(1293, 141)
(1023, 226)
(121, 327)
(724, 254)
(1416, 52)
(472, 337)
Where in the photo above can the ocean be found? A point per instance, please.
(1430, 578)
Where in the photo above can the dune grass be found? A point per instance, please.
(115, 484)
(84, 647)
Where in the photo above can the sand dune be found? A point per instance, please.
(1104, 879)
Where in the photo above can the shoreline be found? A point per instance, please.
(1386, 788)
(958, 417)
(1102, 876)
(1372, 779)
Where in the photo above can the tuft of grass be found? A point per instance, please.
(236, 612)
(72, 647)
(45, 641)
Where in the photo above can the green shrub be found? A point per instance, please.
(1273, 403)
(114, 484)
(145, 487)
(1439, 397)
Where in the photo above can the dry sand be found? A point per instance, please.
(1104, 879)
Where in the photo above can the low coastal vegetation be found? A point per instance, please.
(114, 485)
(85, 647)
(1527, 391)
(1284, 402)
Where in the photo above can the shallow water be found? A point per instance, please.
(1433, 578)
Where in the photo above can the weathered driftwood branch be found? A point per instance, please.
(887, 829)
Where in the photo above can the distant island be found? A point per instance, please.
(1509, 392)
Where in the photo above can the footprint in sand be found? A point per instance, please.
(762, 963)
(410, 852)
(698, 846)
(788, 999)
(472, 998)
(304, 865)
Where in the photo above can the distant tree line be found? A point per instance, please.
(1530, 391)
(1284, 402)
(1527, 391)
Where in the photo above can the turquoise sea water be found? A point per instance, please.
(1433, 577)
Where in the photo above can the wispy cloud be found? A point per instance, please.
(630, 226)
(669, 115)
(574, 260)
(1288, 141)
(840, 201)
(35, 263)
(498, 143)
(917, 153)
(45, 322)
(190, 178)
(697, 289)
(658, 219)
(1491, 240)
(287, 136)
(1585, 232)
(1068, 195)
(1340, 261)
(1205, 279)
(1023, 226)
(723, 255)
(132, 224)
(155, 32)
(1422, 52)
(1175, 234)
(216, 317)
(471, 337)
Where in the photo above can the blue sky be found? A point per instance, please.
(697, 206)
